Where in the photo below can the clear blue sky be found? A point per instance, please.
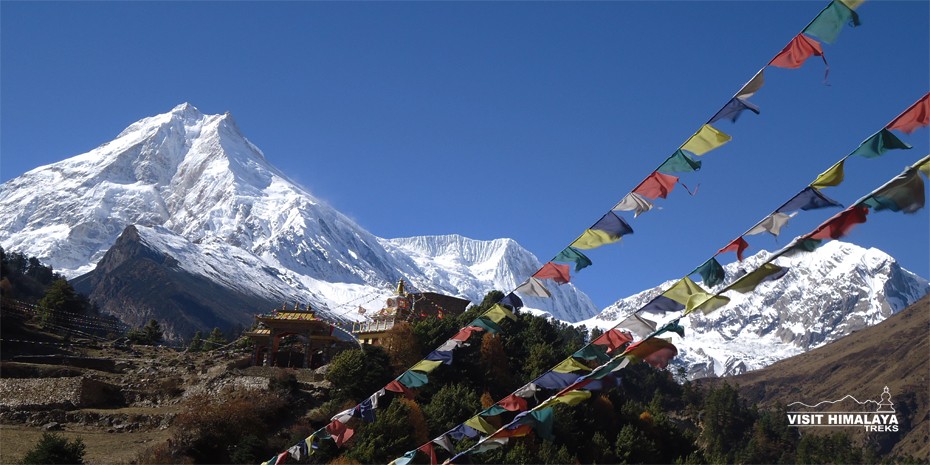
(520, 119)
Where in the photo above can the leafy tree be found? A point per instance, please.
(59, 298)
(355, 374)
(449, 406)
(402, 347)
(53, 448)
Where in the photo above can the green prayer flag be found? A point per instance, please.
(828, 24)
(543, 419)
(592, 352)
(486, 324)
(881, 142)
(904, 193)
(833, 176)
(413, 379)
(766, 272)
(711, 272)
(679, 162)
(572, 255)
(570, 365)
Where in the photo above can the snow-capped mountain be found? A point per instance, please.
(199, 192)
(826, 294)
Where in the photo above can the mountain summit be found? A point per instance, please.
(197, 190)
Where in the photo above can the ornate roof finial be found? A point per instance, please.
(400, 288)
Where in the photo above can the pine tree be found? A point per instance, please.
(215, 339)
(196, 342)
(53, 448)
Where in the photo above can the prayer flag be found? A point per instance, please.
(654, 351)
(672, 326)
(852, 4)
(366, 410)
(413, 379)
(683, 291)
(661, 304)
(833, 176)
(555, 380)
(572, 255)
(772, 224)
(711, 272)
(573, 397)
(513, 301)
(839, 225)
(555, 272)
(404, 459)
(679, 162)
(924, 167)
(426, 366)
(570, 365)
(281, 457)
(904, 193)
(766, 272)
(396, 386)
(513, 431)
(828, 24)
(881, 142)
(635, 203)
(430, 451)
(486, 324)
(444, 442)
(614, 339)
(441, 356)
(638, 325)
(656, 185)
(917, 115)
(466, 333)
(706, 139)
(739, 245)
(542, 420)
(463, 431)
(533, 287)
(339, 432)
(753, 86)
(498, 312)
(609, 228)
(796, 52)
(344, 416)
(513, 403)
(592, 352)
(732, 110)
(808, 199)
(479, 423)
(527, 391)
(489, 444)
(711, 304)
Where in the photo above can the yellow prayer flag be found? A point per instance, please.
(852, 4)
(705, 140)
(479, 423)
(569, 365)
(706, 303)
(833, 176)
(925, 167)
(593, 238)
(683, 290)
(426, 366)
(498, 312)
(573, 397)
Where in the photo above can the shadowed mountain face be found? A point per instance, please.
(893, 353)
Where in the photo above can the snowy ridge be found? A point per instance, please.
(826, 294)
(200, 192)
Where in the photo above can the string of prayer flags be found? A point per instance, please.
(833, 176)
(656, 185)
(917, 115)
(610, 228)
(808, 199)
(706, 139)
(533, 287)
(738, 245)
(711, 272)
(679, 162)
(828, 24)
(555, 272)
(880, 142)
(753, 86)
(733, 109)
(635, 203)
(572, 255)
(839, 225)
(904, 193)
(772, 224)
(797, 52)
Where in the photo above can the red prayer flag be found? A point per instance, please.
(556, 272)
(281, 457)
(395, 386)
(613, 339)
(654, 351)
(916, 116)
(797, 51)
(839, 225)
(428, 450)
(656, 185)
(340, 432)
(513, 403)
(739, 245)
(519, 431)
(466, 333)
